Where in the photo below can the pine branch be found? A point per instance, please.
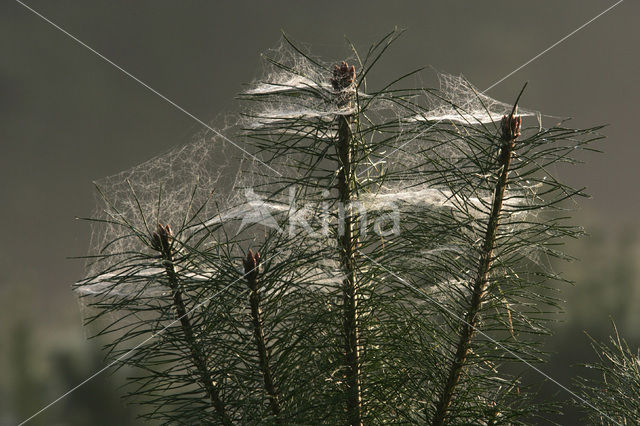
(614, 398)
(343, 79)
(381, 342)
(251, 265)
(161, 240)
(510, 131)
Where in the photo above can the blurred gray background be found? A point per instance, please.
(68, 118)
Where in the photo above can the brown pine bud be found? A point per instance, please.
(251, 266)
(510, 126)
(161, 239)
(343, 76)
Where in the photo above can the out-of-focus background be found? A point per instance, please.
(68, 118)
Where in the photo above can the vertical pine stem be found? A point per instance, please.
(510, 131)
(251, 265)
(161, 242)
(346, 244)
(342, 82)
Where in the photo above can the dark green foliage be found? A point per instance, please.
(342, 322)
(615, 398)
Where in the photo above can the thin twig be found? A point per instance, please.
(161, 242)
(251, 266)
(510, 131)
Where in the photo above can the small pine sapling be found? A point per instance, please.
(373, 256)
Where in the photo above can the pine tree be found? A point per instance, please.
(385, 259)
